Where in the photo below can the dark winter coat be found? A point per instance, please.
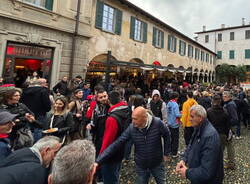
(205, 102)
(37, 100)
(219, 119)
(231, 109)
(204, 156)
(4, 148)
(23, 167)
(64, 123)
(62, 88)
(148, 144)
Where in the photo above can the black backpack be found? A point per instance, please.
(123, 122)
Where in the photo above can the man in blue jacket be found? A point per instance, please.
(203, 158)
(30, 165)
(146, 133)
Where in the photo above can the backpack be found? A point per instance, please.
(24, 138)
(123, 123)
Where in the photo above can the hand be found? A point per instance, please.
(78, 115)
(166, 158)
(181, 168)
(88, 126)
(30, 117)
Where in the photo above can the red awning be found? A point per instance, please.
(157, 63)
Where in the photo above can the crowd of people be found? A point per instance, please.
(76, 133)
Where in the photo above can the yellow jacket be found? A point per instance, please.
(186, 112)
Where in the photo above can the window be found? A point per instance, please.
(172, 43)
(47, 4)
(247, 53)
(219, 55)
(138, 30)
(231, 54)
(108, 18)
(247, 34)
(158, 38)
(206, 38)
(182, 48)
(231, 35)
(190, 50)
(197, 54)
(211, 59)
(202, 56)
(207, 58)
(219, 37)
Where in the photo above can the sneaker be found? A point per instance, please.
(238, 137)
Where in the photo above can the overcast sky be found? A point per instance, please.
(188, 16)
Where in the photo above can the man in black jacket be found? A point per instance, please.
(36, 98)
(61, 88)
(30, 165)
(146, 132)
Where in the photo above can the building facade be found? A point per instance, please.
(133, 35)
(36, 35)
(232, 44)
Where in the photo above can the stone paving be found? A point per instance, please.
(240, 176)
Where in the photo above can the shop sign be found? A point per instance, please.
(27, 50)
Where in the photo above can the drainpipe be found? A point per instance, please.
(72, 57)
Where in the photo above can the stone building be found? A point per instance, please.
(133, 35)
(36, 35)
(231, 43)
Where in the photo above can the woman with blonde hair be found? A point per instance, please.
(59, 122)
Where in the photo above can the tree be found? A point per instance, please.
(229, 73)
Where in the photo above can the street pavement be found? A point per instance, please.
(239, 176)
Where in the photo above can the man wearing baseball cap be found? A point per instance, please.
(6, 124)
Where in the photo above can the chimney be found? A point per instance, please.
(204, 28)
(222, 26)
(243, 21)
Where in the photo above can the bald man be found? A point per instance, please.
(146, 132)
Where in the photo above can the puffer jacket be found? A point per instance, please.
(186, 112)
(173, 114)
(148, 146)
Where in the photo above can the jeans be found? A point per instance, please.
(157, 172)
(174, 140)
(110, 173)
(188, 132)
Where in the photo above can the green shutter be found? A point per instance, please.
(231, 54)
(154, 36)
(145, 32)
(219, 54)
(132, 27)
(247, 53)
(175, 42)
(162, 39)
(99, 14)
(49, 5)
(169, 42)
(180, 47)
(118, 24)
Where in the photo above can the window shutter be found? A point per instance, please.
(184, 44)
(118, 24)
(180, 47)
(49, 5)
(154, 36)
(169, 42)
(175, 42)
(145, 32)
(99, 14)
(247, 54)
(132, 27)
(162, 39)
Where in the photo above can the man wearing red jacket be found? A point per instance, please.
(113, 129)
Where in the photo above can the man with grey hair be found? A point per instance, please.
(74, 164)
(203, 158)
(30, 165)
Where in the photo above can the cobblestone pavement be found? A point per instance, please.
(240, 176)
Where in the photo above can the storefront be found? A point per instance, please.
(21, 60)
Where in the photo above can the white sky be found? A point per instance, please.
(188, 16)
